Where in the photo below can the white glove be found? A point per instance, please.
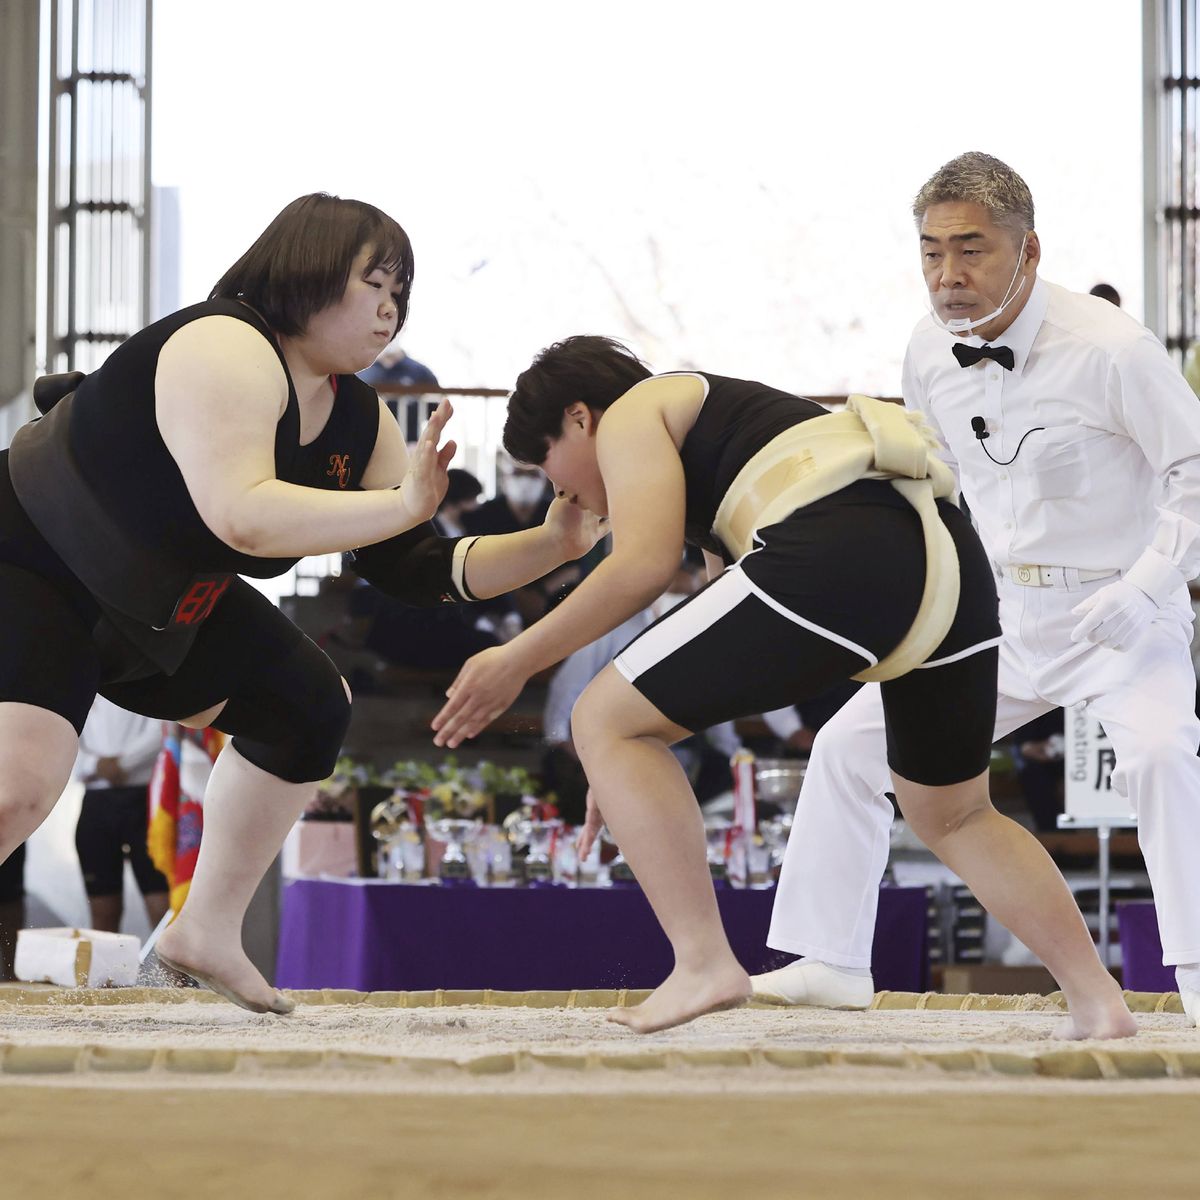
(1114, 616)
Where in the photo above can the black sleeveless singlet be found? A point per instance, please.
(738, 418)
(115, 440)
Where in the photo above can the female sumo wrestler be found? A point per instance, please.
(229, 439)
(833, 553)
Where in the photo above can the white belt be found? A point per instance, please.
(1065, 578)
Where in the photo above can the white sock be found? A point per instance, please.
(1187, 977)
(858, 972)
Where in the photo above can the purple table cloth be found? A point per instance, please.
(1142, 967)
(373, 936)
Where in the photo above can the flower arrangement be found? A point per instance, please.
(334, 800)
(433, 790)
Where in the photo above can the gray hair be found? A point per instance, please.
(977, 178)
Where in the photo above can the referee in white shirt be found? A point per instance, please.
(1077, 447)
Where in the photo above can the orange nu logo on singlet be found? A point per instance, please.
(339, 465)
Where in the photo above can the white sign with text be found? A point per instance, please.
(1088, 765)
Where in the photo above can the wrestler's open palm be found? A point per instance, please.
(424, 485)
(576, 529)
(487, 685)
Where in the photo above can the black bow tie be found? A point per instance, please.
(968, 356)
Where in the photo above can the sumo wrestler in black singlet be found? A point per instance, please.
(229, 439)
(829, 523)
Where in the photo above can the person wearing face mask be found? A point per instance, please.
(1077, 447)
(521, 501)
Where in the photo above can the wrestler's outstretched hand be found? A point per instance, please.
(424, 485)
(487, 684)
(589, 831)
(576, 529)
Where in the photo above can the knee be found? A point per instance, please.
(292, 726)
(23, 806)
(939, 813)
(587, 723)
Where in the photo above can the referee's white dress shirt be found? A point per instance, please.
(1112, 481)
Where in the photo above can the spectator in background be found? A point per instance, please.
(462, 497)
(1106, 291)
(797, 727)
(380, 633)
(117, 752)
(394, 366)
(523, 495)
(1038, 751)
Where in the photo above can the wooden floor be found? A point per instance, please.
(65, 1142)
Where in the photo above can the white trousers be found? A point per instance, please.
(1144, 697)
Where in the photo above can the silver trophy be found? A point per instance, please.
(717, 840)
(539, 837)
(455, 832)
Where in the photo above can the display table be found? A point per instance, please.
(375, 936)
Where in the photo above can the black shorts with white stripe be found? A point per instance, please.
(829, 591)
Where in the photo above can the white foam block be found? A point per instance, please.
(76, 957)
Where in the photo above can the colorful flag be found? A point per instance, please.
(176, 818)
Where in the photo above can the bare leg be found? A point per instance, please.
(37, 750)
(157, 904)
(645, 799)
(106, 912)
(1014, 878)
(247, 814)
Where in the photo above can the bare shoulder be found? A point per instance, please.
(221, 352)
(673, 400)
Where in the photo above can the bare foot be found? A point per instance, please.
(685, 995)
(224, 968)
(1100, 1017)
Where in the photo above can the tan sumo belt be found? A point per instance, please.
(869, 440)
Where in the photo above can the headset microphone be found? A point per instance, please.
(979, 427)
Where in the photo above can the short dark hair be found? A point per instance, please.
(300, 264)
(462, 485)
(596, 371)
(1106, 291)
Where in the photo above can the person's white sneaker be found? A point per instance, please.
(816, 984)
(1187, 980)
(1191, 1003)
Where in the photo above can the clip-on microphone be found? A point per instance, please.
(979, 426)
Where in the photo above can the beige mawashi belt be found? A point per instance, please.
(868, 440)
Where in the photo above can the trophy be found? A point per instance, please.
(539, 837)
(389, 824)
(455, 832)
(718, 834)
(775, 835)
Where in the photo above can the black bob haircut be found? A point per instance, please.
(596, 371)
(300, 264)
